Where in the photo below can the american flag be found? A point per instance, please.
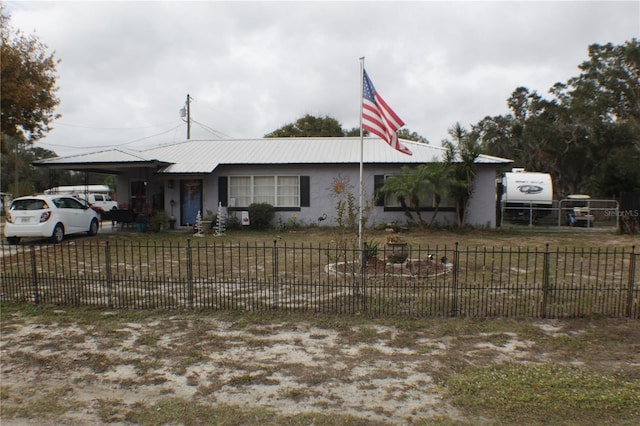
(379, 118)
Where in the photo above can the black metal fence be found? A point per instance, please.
(534, 282)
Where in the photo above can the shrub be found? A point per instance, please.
(157, 221)
(261, 215)
(370, 250)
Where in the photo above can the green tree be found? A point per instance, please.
(27, 103)
(309, 126)
(587, 135)
(460, 158)
(407, 187)
(18, 175)
(28, 75)
(605, 101)
(438, 182)
(407, 134)
(412, 184)
(354, 132)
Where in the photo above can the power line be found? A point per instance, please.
(113, 145)
(214, 132)
(81, 126)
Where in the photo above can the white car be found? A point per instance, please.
(49, 216)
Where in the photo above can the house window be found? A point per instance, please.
(240, 190)
(279, 191)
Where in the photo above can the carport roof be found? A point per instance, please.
(204, 156)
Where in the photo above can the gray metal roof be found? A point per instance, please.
(204, 156)
(117, 155)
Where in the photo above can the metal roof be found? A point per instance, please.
(204, 156)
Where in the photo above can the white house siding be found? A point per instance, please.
(482, 205)
(323, 201)
(323, 160)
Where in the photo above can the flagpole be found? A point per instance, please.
(361, 159)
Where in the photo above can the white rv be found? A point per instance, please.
(525, 192)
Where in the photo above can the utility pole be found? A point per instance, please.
(186, 111)
(188, 117)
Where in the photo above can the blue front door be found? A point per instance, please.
(190, 201)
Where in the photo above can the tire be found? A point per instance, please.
(13, 240)
(93, 228)
(58, 234)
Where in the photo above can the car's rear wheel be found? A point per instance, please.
(93, 228)
(58, 234)
(13, 240)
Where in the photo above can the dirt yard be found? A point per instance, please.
(86, 367)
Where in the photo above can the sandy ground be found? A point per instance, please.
(373, 372)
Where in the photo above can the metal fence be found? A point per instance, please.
(570, 212)
(540, 282)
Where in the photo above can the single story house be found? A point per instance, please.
(303, 178)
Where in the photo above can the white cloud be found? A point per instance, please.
(252, 67)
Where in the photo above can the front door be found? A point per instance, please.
(190, 201)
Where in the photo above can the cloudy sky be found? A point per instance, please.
(252, 67)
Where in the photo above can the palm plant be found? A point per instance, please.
(460, 157)
(438, 182)
(411, 184)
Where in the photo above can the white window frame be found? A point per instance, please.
(278, 197)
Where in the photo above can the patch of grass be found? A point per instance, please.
(404, 339)
(296, 394)
(367, 352)
(318, 336)
(147, 339)
(210, 388)
(110, 410)
(97, 362)
(185, 412)
(145, 364)
(362, 334)
(252, 379)
(48, 405)
(544, 393)
(192, 356)
(497, 339)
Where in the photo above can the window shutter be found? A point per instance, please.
(305, 191)
(223, 191)
(378, 181)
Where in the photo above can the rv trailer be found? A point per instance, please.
(525, 195)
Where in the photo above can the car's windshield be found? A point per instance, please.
(29, 204)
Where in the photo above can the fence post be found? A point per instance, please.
(456, 258)
(276, 288)
(189, 275)
(34, 273)
(107, 267)
(632, 274)
(545, 279)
